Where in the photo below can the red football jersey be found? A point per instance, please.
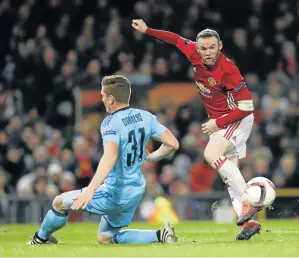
(221, 87)
(217, 85)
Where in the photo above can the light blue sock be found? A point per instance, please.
(135, 236)
(51, 223)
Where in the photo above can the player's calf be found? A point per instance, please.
(55, 219)
(165, 234)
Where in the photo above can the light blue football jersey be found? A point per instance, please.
(131, 129)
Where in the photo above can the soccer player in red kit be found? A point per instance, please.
(230, 109)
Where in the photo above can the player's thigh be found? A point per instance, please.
(231, 141)
(99, 204)
(240, 136)
(217, 146)
(106, 232)
(103, 202)
(126, 213)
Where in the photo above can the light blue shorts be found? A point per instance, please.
(115, 212)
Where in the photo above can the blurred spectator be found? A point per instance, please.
(261, 166)
(13, 130)
(14, 165)
(84, 170)
(292, 119)
(153, 187)
(167, 178)
(274, 102)
(202, 177)
(6, 106)
(287, 173)
(183, 119)
(161, 70)
(91, 79)
(258, 112)
(184, 160)
(26, 184)
(3, 145)
(4, 190)
(67, 160)
(247, 172)
(67, 182)
(54, 173)
(48, 69)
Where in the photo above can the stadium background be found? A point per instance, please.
(54, 53)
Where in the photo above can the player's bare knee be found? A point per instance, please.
(58, 204)
(209, 156)
(104, 239)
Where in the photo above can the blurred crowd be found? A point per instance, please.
(51, 47)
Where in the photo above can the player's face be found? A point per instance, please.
(106, 100)
(209, 49)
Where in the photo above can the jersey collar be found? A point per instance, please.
(121, 109)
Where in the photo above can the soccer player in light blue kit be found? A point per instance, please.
(118, 184)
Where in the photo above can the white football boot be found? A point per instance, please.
(36, 240)
(167, 234)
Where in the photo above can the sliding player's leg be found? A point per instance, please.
(56, 218)
(165, 234)
(110, 225)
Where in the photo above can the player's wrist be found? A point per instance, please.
(92, 188)
(149, 158)
(147, 30)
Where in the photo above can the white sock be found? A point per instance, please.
(231, 175)
(236, 200)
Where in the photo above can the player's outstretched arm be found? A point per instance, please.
(170, 144)
(165, 36)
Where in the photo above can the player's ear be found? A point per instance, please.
(220, 45)
(111, 100)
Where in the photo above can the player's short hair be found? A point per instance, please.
(207, 33)
(118, 86)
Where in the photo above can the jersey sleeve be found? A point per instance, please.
(110, 133)
(233, 80)
(186, 46)
(157, 127)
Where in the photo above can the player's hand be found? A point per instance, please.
(82, 200)
(147, 155)
(139, 25)
(210, 127)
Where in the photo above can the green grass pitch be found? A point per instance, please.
(278, 238)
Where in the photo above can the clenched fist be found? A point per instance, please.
(139, 25)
